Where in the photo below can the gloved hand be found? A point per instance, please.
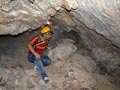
(37, 56)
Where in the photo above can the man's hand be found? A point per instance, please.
(37, 56)
(50, 47)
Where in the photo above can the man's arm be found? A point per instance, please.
(30, 46)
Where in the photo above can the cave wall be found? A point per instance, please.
(102, 16)
(97, 22)
(98, 28)
(17, 16)
(101, 49)
(104, 53)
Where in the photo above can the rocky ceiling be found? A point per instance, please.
(101, 16)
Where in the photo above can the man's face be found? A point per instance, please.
(48, 36)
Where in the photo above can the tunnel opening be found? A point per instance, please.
(74, 36)
(15, 47)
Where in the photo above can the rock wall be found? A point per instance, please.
(105, 54)
(17, 16)
(97, 22)
(102, 16)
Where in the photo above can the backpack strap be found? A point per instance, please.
(40, 41)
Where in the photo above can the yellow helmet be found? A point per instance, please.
(45, 29)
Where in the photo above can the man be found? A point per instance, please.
(36, 54)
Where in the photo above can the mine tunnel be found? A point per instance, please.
(85, 44)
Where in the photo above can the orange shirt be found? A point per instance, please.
(38, 44)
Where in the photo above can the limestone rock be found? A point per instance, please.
(55, 4)
(29, 84)
(64, 49)
(70, 4)
(97, 16)
(19, 15)
(67, 19)
(41, 5)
